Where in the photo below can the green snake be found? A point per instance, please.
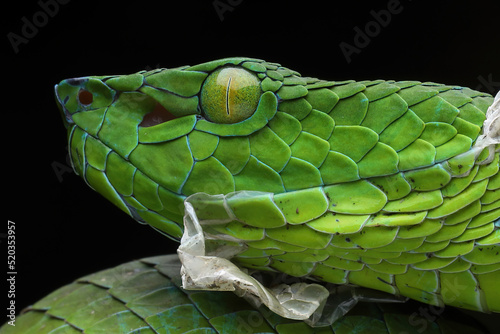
(386, 185)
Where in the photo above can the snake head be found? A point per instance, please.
(158, 131)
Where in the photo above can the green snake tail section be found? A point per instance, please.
(145, 297)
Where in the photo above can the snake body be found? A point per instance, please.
(146, 297)
(378, 184)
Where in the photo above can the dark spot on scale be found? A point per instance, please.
(412, 179)
(480, 249)
(460, 166)
(297, 211)
(327, 196)
(383, 281)
(287, 226)
(337, 220)
(348, 239)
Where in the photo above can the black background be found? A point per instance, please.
(65, 230)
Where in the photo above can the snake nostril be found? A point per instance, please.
(157, 116)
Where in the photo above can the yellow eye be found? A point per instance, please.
(230, 95)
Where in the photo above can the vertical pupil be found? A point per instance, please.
(228, 98)
(85, 97)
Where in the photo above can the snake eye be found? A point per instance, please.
(85, 97)
(230, 95)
